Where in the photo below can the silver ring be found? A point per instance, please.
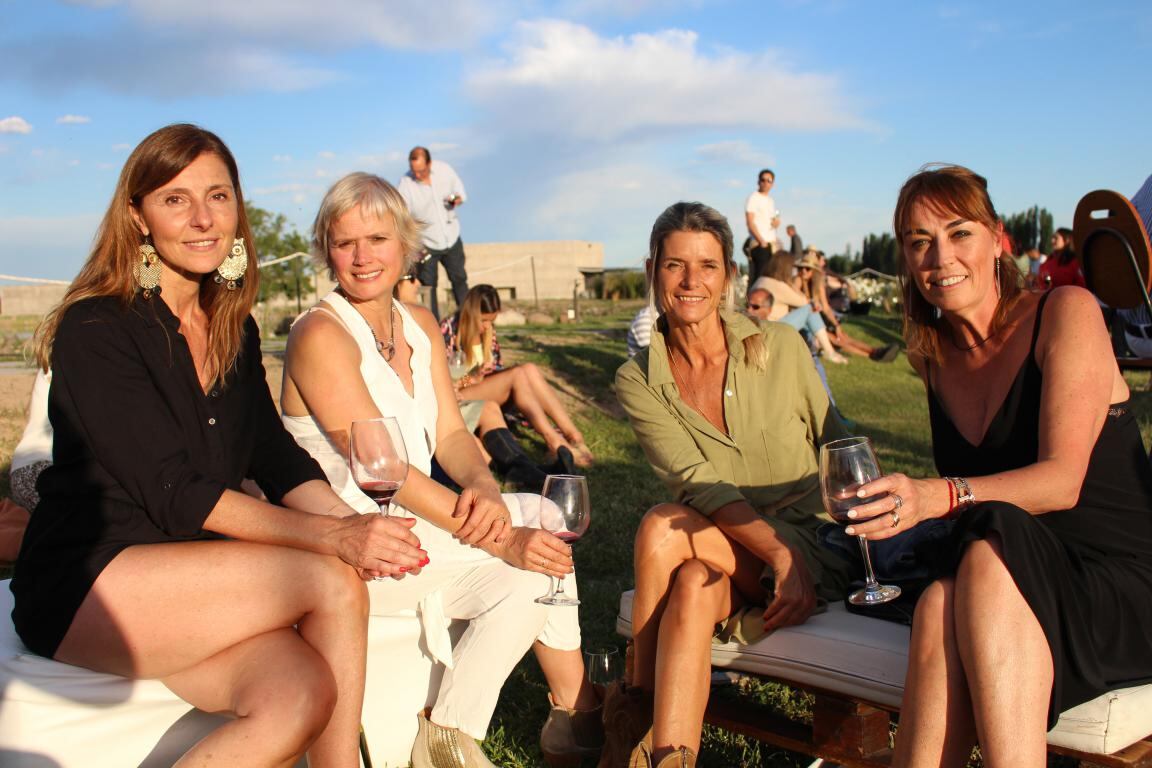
(897, 502)
(895, 518)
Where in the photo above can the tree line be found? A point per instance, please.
(1028, 229)
(275, 237)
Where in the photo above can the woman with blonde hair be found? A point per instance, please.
(144, 559)
(730, 415)
(472, 331)
(359, 354)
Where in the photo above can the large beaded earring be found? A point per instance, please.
(147, 271)
(231, 270)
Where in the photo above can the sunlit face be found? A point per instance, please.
(951, 259)
(365, 254)
(765, 182)
(1058, 241)
(690, 279)
(759, 304)
(192, 219)
(421, 168)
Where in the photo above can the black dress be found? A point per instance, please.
(1086, 572)
(141, 454)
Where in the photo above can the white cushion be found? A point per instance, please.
(866, 659)
(55, 715)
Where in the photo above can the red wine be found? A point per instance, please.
(839, 506)
(380, 491)
(567, 536)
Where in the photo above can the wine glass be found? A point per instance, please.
(457, 364)
(845, 465)
(565, 510)
(603, 666)
(378, 459)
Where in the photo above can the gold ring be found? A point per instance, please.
(897, 501)
(895, 518)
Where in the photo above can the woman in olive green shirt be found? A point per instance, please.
(730, 416)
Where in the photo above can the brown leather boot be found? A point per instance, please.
(627, 719)
(569, 735)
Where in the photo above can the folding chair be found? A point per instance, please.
(1115, 256)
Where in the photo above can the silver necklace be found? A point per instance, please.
(387, 349)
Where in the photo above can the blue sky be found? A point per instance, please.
(577, 118)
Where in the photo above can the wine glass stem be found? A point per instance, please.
(559, 588)
(870, 582)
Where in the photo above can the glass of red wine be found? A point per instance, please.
(378, 459)
(845, 465)
(565, 510)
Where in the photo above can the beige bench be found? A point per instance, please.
(854, 666)
(54, 715)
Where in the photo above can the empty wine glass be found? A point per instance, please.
(602, 666)
(457, 364)
(845, 465)
(565, 510)
(378, 459)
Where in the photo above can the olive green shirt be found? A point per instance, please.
(776, 419)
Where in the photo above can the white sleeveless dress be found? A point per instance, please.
(416, 415)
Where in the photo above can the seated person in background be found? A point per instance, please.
(791, 307)
(471, 331)
(1063, 266)
(33, 454)
(497, 444)
(730, 416)
(809, 281)
(640, 332)
(337, 369)
(1047, 601)
(143, 558)
(1137, 323)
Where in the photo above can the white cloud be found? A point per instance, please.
(443, 24)
(326, 154)
(281, 158)
(563, 79)
(73, 120)
(14, 124)
(121, 147)
(736, 152)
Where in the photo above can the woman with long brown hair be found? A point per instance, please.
(144, 558)
(1045, 602)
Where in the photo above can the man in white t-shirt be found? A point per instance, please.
(763, 219)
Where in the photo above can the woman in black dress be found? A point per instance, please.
(160, 410)
(1047, 602)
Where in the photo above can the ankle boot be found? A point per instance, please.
(681, 758)
(570, 735)
(565, 463)
(511, 462)
(440, 747)
(627, 721)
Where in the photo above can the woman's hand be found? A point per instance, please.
(532, 549)
(487, 520)
(903, 502)
(378, 546)
(794, 597)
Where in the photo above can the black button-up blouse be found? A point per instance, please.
(141, 455)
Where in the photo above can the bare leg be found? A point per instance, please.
(546, 395)
(564, 672)
(701, 596)
(196, 615)
(689, 576)
(845, 342)
(512, 386)
(936, 726)
(1006, 659)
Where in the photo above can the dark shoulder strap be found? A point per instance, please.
(1036, 323)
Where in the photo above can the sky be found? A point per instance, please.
(575, 119)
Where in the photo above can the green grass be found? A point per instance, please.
(885, 400)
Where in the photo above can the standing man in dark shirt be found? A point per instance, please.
(795, 245)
